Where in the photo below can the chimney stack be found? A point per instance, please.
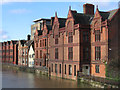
(88, 9)
(28, 37)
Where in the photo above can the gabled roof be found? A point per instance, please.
(82, 18)
(14, 41)
(28, 43)
(22, 42)
(107, 15)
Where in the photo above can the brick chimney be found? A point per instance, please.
(28, 37)
(88, 9)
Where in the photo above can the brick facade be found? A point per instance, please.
(81, 42)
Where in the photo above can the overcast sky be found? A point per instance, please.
(17, 17)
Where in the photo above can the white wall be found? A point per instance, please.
(31, 56)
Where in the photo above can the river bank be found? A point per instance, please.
(44, 71)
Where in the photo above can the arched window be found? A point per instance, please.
(69, 25)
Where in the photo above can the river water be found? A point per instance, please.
(19, 79)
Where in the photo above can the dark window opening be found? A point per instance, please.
(70, 69)
(55, 68)
(60, 68)
(74, 70)
(97, 53)
(70, 37)
(56, 53)
(70, 53)
(65, 69)
(97, 68)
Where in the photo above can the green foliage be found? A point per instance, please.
(112, 69)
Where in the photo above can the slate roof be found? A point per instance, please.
(22, 42)
(82, 18)
(14, 41)
(28, 43)
(49, 27)
(62, 22)
(107, 15)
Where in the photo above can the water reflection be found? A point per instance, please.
(18, 79)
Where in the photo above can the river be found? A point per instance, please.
(19, 79)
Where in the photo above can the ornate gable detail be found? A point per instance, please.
(55, 27)
(45, 30)
(96, 22)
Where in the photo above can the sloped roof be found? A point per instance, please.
(62, 22)
(49, 27)
(82, 18)
(107, 15)
(28, 43)
(22, 42)
(14, 41)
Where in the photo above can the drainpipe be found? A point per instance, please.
(63, 57)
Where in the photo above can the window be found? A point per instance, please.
(70, 37)
(40, 63)
(65, 69)
(52, 68)
(74, 70)
(70, 53)
(40, 53)
(60, 68)
(36, 54)
(56, 53)
(56, 39)
(55, 68)
(26, 51)
(26, 60)
(23, 52)
(97, 35)
(85, 53)
(85, 37)
(97, 53)
(23, 61)
(32, 62)
(70, 69)
(36, 44)
(40, 43)
(45, 42)
(97, 68)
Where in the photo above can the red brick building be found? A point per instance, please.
(41, 43)
(1, 51)
(13, 52)
(69, 46)
(82, 42)
(4, 52)
(9, 51)
(105, 36)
